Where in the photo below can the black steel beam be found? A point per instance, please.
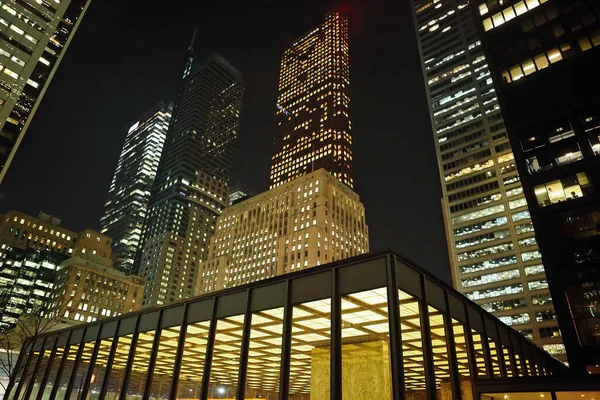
(397, 360)
(210, 347)
(173, 392)
(336, 338)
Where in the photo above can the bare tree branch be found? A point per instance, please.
(39, 319)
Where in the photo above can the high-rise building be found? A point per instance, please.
(87, 287)
(22, 231)
(191, 186)
(38, 261)
(26, 280)
(126, 208)
(35, 36)
(313, 105)
(303, 223)
(544, 58)
(492, 244)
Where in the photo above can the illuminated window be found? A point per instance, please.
(568, 188)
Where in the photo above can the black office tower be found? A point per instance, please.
(191, 186)
(544, 60)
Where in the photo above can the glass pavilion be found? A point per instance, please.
(371, 327)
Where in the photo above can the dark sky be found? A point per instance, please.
(127, 56)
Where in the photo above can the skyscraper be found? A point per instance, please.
(313, 105)
(191, 186)
(303, 223)
(544, 58)
(492, 244)
(35, 37)
(126, 208)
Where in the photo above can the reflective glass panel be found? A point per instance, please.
(192, 363)
(264, 354)
(165, 361)
(412, 345)
(440, 353)
(310, 350)
(139, 369)
(366, 367)
(226, 357)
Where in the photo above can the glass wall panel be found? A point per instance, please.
(82, 370)
(310, 351)
(264, 355)
(165, 362)
(192, 363)
(518, 396)
(99, 372)
(54, 365)
(412, 345)
(28, 375)
(440, 354)
(507, 363)
(366, 370)
(115, 378)
(479, 354)
(139, 368)
(584, 394)
(39, 376)
(494, 357)
(527, 365)
(226, 357)
(71, 355)
(462, 357)
(519, 365)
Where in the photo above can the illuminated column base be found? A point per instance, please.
(466, 389)
(365, 372)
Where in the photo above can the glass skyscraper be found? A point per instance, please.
(191, 186)
(313, 105)
(129, 194)
(492, 243)
(34, 36)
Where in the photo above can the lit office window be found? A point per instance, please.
(568, 188)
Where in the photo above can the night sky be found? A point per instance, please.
(128, 55)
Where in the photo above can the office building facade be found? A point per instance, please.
(543, 57)
(312, 220)
(87, 287)
(45, 232)
(191, 186)
(26, 280)
(126, 207)
(31, 270)
(35, 36)
(492, 243)
(374, 326)
(313, 105)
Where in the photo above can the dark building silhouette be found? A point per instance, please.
(544, 59)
